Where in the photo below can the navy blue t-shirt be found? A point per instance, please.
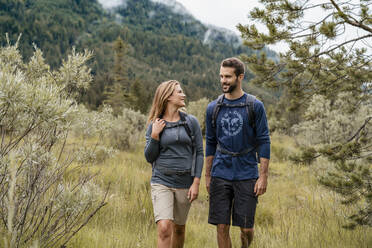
(234, 134)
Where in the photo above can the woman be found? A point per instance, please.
(174, 146)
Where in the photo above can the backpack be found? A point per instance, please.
(249, 105)
(184, 121)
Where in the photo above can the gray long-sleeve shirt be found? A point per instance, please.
(174, 152)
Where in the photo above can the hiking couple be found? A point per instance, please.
(237, 137)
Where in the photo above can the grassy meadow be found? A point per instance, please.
(295, 212)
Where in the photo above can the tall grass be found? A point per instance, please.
(295, 212)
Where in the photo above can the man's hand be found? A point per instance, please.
(193, 190)
(261, 185)
(208, 168)
(207, 182)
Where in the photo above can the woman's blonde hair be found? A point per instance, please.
(159, 104)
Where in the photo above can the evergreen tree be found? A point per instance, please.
(315, 62)
(161, 45)
(139, 98)
(326, 83)
(120, 71)
(115, 98)
(117, 94)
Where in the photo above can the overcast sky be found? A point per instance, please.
(228, 13)
(222, 13)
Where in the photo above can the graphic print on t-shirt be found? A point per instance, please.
(232, 123)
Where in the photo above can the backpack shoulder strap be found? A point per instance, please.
(187, 124)
(217, 109)
(249, 101)
(188, 127)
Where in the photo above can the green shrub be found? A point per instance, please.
(198, 108)
(127, 129)
(91, 124)
(37, 108)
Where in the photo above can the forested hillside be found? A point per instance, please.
(159, 44)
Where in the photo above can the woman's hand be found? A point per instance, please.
(157, 128)
(194, 190)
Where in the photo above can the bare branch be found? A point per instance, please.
(356, 135)
(340, 45)
(354, 23)
(102, 204)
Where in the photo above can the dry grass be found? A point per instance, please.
(295, 212)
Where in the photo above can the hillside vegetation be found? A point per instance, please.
(161, 44)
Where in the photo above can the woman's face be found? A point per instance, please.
(178, 97)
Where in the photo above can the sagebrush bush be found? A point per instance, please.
(91, 124)
(94, 155)
(198, 108)
(341, 132)
(37, 109)
(331, 123)
(94, 126)
(282, 147)
(127, 129)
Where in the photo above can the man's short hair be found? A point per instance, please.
(236, 63)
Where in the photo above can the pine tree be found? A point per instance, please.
(325, 80)
(117, 94)
(139, 99)
(115, 98)
(316, 63)
(120, 71)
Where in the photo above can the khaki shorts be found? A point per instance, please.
(170, 203)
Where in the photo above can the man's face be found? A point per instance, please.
(229, 81)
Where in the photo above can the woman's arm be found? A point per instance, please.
(152, 147)
(198, 146)
(199, 160)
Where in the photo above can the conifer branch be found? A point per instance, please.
(354, 23)
(356, 135)
(341, 45)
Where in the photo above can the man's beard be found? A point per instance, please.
(231, 88)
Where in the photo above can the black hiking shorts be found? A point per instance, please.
(234, 199)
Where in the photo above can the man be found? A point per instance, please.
(236, 132)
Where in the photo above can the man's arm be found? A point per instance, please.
(208, 167)
(263, 140)
(261, 184)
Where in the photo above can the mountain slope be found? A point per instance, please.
(162, 43)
